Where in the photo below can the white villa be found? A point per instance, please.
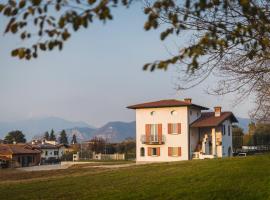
(173, 130)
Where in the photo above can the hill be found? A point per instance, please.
(38, 126)
(117, 131)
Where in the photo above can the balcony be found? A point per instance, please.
(153, 139)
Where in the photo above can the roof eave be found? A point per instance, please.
(145, 107)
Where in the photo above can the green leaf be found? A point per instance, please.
(15, 52)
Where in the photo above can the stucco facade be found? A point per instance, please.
(175, 133)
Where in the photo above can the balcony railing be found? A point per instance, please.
(153, 139)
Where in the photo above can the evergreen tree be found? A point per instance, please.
(63, 137)
(74, 139)
(46, 135)
(52, 135)
(15, 136)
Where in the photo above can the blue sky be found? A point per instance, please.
(98, 73)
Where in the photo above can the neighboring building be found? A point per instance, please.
(50, 150)
(18, 155)
(173, 130)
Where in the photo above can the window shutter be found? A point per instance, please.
(179, 128)
(169, 128)
(158, 151)
(160, 133)
(179, 151)
(147, 132)
(149, 151)
(169, 151)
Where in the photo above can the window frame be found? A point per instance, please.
(142, 152)
(154, 149)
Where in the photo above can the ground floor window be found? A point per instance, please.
(154, 151)
(174, 151)
(142, 152)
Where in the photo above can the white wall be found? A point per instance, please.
(50, 153)
(194, 114)
(163, 116)
(226, 139)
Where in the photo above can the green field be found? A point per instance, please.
(234, 178)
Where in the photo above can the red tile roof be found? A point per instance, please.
(208, 119)
(166, 103)
(4, 158)
(8, 149)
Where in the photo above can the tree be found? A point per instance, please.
(97, 144)
(74, 139)
(251, 128)
(46, 135)
(63, 137)
(228, 39)
(237, 138)
(15, 136)
(52, 136)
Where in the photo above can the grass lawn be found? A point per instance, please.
(234, 178)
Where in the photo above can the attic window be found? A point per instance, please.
(173, 112)
(152, 113)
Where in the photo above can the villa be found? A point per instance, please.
(174, 130)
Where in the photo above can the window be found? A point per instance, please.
(229, 130)
(174, 128)
(154, 131)
(19, 159)
(190, 112)
(46, 153)
(154, 151)
(174, 151)
(152, 113)
(142, 152)
(223, 130)
(173, 112)
(55, 153)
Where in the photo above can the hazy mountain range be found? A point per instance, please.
(112, 131)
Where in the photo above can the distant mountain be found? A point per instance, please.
(243, 123)
(117, 131)
(113, 131)
(38, 126)
(82, 133)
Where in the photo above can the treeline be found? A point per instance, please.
(18, 136)
(258, 134)
(101, 145)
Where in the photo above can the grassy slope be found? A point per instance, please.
(236, 178)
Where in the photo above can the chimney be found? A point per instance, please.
(188, 100)
(217, 111)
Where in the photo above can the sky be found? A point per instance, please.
(96, 75)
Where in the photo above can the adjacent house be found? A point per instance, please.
(50, 150)
(174, 130)
(18, 155)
